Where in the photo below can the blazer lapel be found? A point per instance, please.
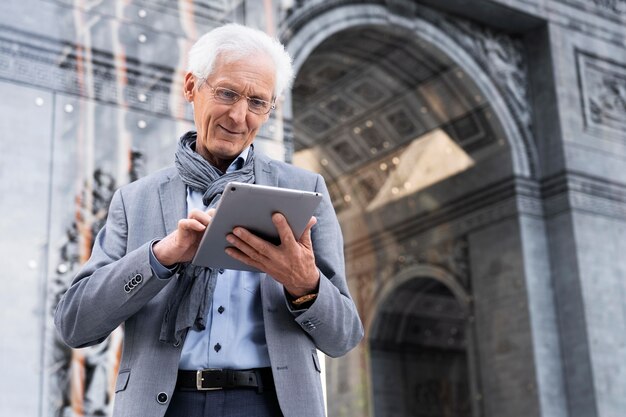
(264, 172)
(173, 196)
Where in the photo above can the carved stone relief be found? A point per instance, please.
(603, 84)
(500, 55)
(79, 380)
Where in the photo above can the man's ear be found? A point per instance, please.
(189, 87)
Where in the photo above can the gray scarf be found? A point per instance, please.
(187, 305)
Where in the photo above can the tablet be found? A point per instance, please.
(251, 206)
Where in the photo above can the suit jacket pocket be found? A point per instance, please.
(122, 380)
(316, 360)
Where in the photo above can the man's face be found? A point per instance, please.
(225, 130)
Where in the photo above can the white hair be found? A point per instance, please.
(233, 42)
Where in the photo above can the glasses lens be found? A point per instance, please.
(226, 96)
(255, 105)
(259, 106)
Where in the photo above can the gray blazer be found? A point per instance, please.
(96, 302)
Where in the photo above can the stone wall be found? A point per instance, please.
(530, 242)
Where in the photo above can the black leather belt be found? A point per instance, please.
(214, 379)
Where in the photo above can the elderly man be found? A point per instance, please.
(202, 341)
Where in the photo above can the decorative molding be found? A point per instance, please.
(599, 206)
(205, 12)
(575, 191)
(529, 205)
(452, 256)
(616, 6)
(603, 91)
(500, 55)
(571, 191)
(600, 7)
(611, 10)
(54, 65)
(496, 202)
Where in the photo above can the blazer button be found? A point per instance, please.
(162, 398)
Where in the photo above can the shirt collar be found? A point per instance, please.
(239, 161)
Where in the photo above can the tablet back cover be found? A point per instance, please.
(251, 206)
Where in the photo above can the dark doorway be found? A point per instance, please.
(419, 356)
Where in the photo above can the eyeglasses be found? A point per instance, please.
(227, 96)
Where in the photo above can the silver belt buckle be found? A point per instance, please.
(199, 380)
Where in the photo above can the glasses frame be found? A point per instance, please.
(272, 103)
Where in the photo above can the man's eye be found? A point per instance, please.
(258, 103)
(225, 94)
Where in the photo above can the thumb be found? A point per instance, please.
(305, 239)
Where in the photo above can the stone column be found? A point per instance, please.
(585, 204)
(504, 332)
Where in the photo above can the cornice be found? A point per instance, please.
(578, 191)
(510, 198)
(614, 10)
(495, 202)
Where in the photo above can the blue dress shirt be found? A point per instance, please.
(234, 337)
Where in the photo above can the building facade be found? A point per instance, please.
(475, 152)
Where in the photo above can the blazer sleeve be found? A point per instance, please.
(332, 321)
(112, 286)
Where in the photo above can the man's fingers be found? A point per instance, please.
(285, 232)
(254, 250)
(252, 241)
(201, 216)
(191, 225)
(282, 226)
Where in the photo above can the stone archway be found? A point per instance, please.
(496, 86)
(421, 339)
(422, 148)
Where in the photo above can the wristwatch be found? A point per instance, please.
(304, 299)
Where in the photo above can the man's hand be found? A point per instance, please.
(292, 263)
(182, 243)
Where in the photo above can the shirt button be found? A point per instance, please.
(162, 398)
(217, 347)
(221, 309)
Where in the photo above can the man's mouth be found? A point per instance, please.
(232, 132)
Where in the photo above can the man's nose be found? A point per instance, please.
(239, 110)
